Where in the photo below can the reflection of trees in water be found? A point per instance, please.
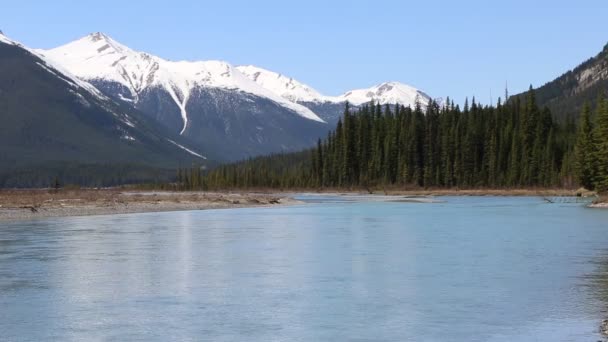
(598, 280)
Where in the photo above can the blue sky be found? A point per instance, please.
(455, 48)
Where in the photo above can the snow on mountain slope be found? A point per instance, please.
(187, 149)
(6, 40)
(99, 57)
(50, 66)
(387, 93)
(284, 86)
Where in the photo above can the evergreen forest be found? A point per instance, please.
(515, 144)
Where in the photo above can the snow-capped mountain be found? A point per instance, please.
(387, 93)
(51, 115)
(330, 108)
(209, 102)
(99, 57)
(236, 111)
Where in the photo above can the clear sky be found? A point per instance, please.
(446, 48)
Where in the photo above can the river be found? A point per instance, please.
(459, 269)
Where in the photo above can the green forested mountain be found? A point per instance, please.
(516, 144)
(566, 95)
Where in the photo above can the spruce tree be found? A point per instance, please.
(585, 150)
(601, 145)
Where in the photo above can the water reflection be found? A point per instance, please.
(598, 283)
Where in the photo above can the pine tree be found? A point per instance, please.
(319, 165)
(585, 150)
(56, 184)
(601, 145)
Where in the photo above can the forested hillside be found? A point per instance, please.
(566, 95)
(516, 144)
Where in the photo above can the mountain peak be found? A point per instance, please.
(388, 86)
(97, 43)
(97, 36)
(387, 93)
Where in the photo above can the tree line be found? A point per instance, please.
(591, 148)
(512, 144)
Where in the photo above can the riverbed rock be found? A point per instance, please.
(604, 327)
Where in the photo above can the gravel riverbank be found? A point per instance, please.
(32, 204)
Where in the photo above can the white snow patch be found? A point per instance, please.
(128, 123)
(124, 98)
(284, 86)
(181, 103)
(187, 149)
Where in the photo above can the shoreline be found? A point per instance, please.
(21, 205)
(25, 205)
(600, 203)
(516, 192)
(465, 192)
